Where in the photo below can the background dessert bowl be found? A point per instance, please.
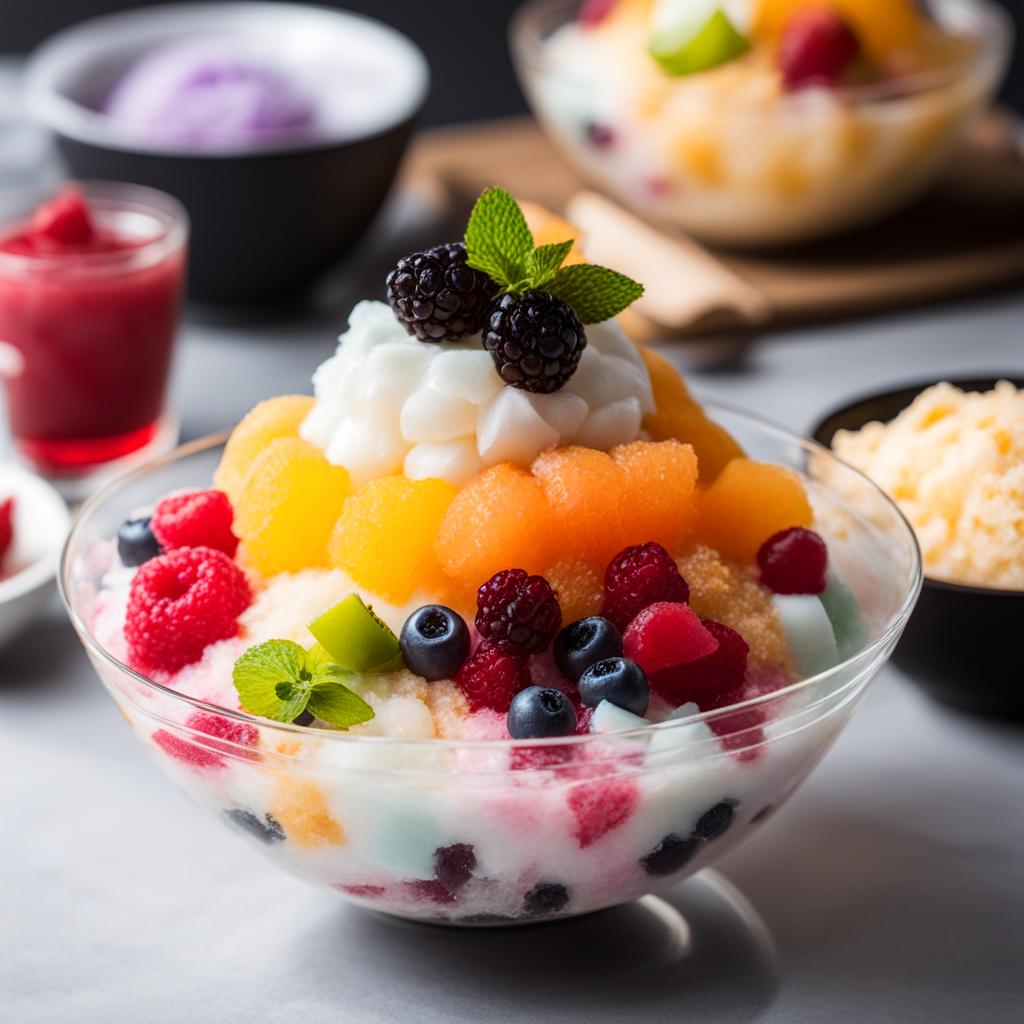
(270, 215)
(772, 171)
(495, 831)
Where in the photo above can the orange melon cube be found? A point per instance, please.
(579, 587)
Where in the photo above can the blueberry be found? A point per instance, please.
(670, 855)
(539, 712)
(304, 718)
(266, 830)
(546, 898)
(453, 865)
(714, 823)
(619, 681)
(136, 543)
(584, 643)
(434, 642)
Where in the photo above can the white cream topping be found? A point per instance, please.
(387, 403)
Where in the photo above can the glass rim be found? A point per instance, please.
(863, 656)
(162, 207)
(993, 28)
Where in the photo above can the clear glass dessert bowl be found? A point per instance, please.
(734, 162)
(497, 831)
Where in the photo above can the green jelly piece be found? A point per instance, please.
(680, 51)
(844, 614)
(355, 638)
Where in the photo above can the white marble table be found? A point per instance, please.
(891, 886)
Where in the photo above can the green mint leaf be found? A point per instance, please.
(544, 261)
(335, 703)
(595, 293)
(498, 239)
(272, 680)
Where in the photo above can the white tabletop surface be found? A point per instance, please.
(891, 885)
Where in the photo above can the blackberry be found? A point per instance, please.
(517, 612)
(436, 296)
(535, 341)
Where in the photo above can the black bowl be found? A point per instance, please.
(267, 221)
(962, 643)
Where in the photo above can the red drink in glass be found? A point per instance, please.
(91, 284)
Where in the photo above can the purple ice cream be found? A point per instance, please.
(209, 95)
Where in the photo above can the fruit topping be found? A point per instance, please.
(540, 712)
(266, 829)
(454, 865)
(195, 519)
(136, 544)
(181, 602)
(639, 577)
(794, 561)
(275, 418)
(593, 12)
(535, 341)
(672, 854)
(6, 527)
(584, 643)
(601, 807)
(715, 822)
(436, 296)
(434, 642)
(709, 682)
(816, 48)
(384, 538)
(618, 681)
(491, 678)
(227, 735)
(698, 43)
(666, 635)
(62, 223)
(517, 612)
(355, 638)
(546, 898)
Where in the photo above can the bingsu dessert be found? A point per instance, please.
(754, 122)
(499, 624)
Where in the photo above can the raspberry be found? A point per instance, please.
(6, 527)
(535, 341)
(794, 561)
(666, 635)
(195, 519)
(230, 733)
(518, 613)
(710, 682)
(62, 222)
(638, 577)
(491, 678)
(436, 296)
(816, 48)
(181, 602)
(428, 890)
(600, 807)
(454, 865)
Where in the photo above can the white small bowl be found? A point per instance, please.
(41, 521)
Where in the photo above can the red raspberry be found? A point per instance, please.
(518, 613)
(794, 561)
(599, 807)
(710, 682)
(491, 678)
(816, 48)
(195, 519)
(638, 577)
(231, 734)
(180, 603)
(62, 222)
(666, 635)
(6, 526)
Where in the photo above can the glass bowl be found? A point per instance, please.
(495, 832)
(736, 168)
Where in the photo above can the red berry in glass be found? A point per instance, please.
(794, 561)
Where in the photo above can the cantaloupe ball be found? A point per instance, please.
(677, 415)
(499, 520)
(579, 587)
(748, 503)
(288, 507)
(266, 422)
(661, 492)
(385, 537)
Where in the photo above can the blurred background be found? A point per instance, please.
(464, 42)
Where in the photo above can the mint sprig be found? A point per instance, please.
(499, 243)
(278, 679)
